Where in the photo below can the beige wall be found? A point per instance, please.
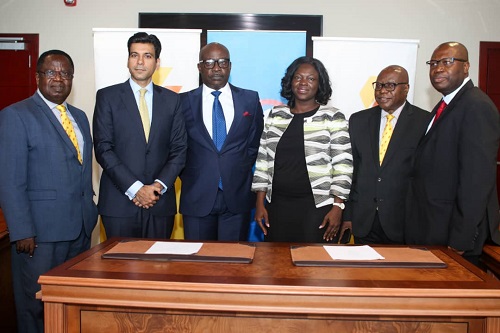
(431, 21)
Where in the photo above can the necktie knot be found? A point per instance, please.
(439, 111)
(61, 108)
(390, 117)
(143, 92)
(216, 93)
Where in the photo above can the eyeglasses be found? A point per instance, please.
(50, 74)
(389, 86)
(446, 62)
(210, 63)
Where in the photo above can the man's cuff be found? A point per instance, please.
(162, 184)
(132, 190)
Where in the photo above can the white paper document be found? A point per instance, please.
(363, 252)
(174, 248)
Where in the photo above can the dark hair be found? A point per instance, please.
(142, 37)
(324, 89)
(45, 54)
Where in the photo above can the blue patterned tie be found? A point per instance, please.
(218, 122)
(218, 125)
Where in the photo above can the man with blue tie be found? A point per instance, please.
(45, 183)
(224, 124)
(140, 143)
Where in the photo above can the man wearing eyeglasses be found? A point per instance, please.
(453, 198)
(224, 124)
(45, 183)
(383, 139)
(140, 142)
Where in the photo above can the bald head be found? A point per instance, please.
(459, 49)
(213, 46)
(400, 71)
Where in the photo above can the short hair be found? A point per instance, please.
(45, 54)
(142, 37)
(324, 89)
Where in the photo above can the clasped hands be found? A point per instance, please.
(148, 195)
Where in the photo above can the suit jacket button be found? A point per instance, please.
(379, 179)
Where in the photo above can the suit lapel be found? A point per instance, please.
(55, 122)
(398, 134)
(131, 108)
(157, 115)
(374, 125)
(449, 108)
(196, 107)
(238, 115)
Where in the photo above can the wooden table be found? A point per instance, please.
(90, 294)
(491, 259)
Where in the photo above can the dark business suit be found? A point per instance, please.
(45, 193)
(125, 156)
(205, 165)
(453, 199)
(382, 188)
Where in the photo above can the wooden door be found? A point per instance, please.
(19, 53)
(489, 81)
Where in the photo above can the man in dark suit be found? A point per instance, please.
(375, 208)
(140, 143)
(45, 182)
(453, 199)
(215, 198)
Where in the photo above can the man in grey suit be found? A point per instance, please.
(45, 182)
(382, 163)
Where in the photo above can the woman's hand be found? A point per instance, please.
(261, 212)
(332, 222)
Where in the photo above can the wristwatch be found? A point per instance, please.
(341, 205)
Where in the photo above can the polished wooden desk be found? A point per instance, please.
(491, 259)
(90, 294)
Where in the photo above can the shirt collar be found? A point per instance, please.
(135, 87)
(396, 112)
(224, 90)
(447, 99)
(50, 104)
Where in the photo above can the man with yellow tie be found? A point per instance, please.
(383, 140)
(140, 142)
(45, 182)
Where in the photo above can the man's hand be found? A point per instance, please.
(346, 225)
(147, 196)
(26, 245)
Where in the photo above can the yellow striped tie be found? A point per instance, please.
(143, 110)
(386, 138)
(68, 128)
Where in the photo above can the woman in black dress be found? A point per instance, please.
(304, 166)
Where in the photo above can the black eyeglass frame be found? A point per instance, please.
(50, 74)
(389, 86)
(446, 62)
(210, 63)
